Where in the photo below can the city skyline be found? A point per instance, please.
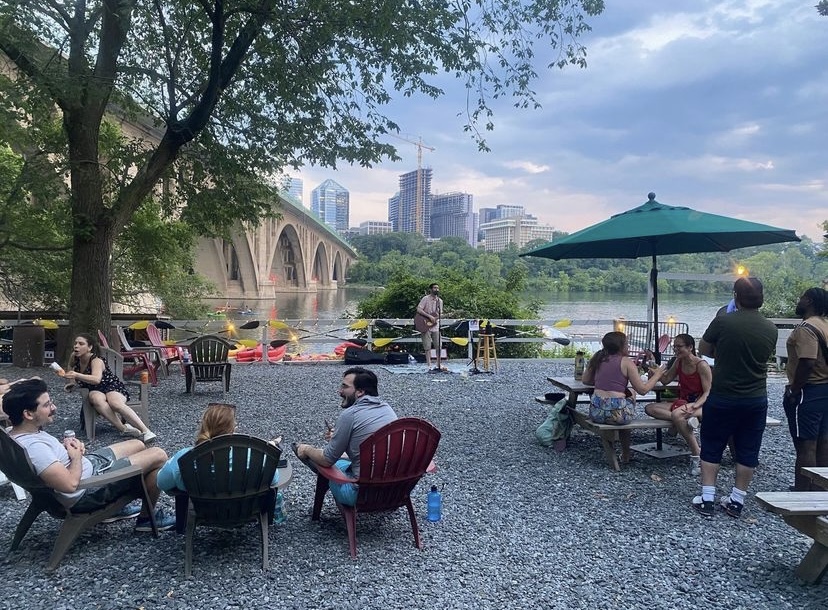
(713, 105)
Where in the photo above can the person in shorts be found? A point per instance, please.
(806, 396)
(363, 413)
(611, 371)
(62, 465)
(741, 343)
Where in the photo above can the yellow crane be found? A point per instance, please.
(418, 197)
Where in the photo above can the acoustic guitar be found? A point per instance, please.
(423, 324)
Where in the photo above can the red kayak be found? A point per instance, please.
(254, 354)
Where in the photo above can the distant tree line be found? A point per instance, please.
(785, 269)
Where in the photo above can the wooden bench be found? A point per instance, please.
(608, 433)
(806, 512)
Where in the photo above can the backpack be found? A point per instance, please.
(557, 426)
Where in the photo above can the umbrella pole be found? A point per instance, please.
(654, 284)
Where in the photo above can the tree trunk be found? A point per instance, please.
(93, 228)
(91, 294)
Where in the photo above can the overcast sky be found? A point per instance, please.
(719, 106)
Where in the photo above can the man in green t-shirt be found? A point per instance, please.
(741, 342)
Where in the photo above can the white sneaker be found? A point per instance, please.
(132, 431)
(148, 436)
(695, 465)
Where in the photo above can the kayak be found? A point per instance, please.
(254, 354)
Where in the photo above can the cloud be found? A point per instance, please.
(714, 105)
(527, 166)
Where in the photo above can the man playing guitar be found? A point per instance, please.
(427, 321)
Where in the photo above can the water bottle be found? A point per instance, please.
(580, 364)
(279, 514)
(435, 504)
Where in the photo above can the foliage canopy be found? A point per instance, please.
(232, 91)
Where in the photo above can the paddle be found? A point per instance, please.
(383, 341)
(139, 325)
(247, 342)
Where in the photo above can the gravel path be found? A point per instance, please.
(523, 526)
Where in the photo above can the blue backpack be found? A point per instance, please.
(557, 426)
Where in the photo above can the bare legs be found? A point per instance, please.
(149, 460)
(114, 408)
(679, 417)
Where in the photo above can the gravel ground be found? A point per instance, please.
(523, 526)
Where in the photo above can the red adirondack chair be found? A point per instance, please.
(392, 461)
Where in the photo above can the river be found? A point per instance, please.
(694, 309)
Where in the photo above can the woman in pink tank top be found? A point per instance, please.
(611, 371)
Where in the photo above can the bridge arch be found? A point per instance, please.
(296, 252)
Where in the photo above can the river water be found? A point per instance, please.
(694, 309)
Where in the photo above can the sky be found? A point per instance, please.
(718, 106)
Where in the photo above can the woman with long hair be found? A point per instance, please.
(695, 378)
(218, 419)
(107, 394)
(611, 371)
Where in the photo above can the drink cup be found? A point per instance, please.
(57, 369)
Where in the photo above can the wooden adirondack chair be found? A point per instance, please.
(140, 361)
(392, 461)
(208, 356)
(228, 479)
(170, 353)
(18, 468)
(139, 394)
(155, 354)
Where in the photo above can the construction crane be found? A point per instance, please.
(418, 197)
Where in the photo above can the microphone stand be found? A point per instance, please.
(439, 368)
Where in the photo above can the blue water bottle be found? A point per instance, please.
(435, 504)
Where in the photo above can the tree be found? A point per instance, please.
(240, 89)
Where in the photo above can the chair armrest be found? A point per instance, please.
(334, 474)
(110, 476)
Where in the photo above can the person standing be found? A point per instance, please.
(364, 412)
(741, 343)
(806, 395)
(427, 321)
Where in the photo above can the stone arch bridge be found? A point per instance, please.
(295, 253)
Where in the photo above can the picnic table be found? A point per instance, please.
(807, 512)
(608, 433)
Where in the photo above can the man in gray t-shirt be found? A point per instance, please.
(363, 414)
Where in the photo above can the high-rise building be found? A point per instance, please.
(518, 230)
(501, 211)
(412, 208)
(296, 187)
(373, 227)
(394, 211)
(452, 215)
(330, 201)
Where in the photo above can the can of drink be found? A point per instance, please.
(144, 377)
(69, 434)
(57, 369)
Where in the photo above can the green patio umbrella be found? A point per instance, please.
(654, 228)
